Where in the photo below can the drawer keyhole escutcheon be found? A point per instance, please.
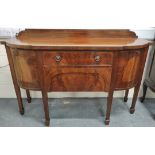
(97, 58)
(58, 58)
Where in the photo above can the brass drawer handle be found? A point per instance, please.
(97, 58)
(58, 58)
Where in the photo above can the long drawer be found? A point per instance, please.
(77, 58)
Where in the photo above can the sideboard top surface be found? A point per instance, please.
(68, 39)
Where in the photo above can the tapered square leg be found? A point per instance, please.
(144, 92)
(28, 96)
(109, 105)
(19, 99)
(15, 83)
(135, 95)
(46, 109)
(126, 95)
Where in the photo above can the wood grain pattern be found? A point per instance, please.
(128, 65)
(26, 69)
(74, 58)
(77, 79)
(77, 60)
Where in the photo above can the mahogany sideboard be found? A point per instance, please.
(65, 60)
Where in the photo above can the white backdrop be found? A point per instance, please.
(77, 13)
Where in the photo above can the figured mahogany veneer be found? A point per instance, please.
(76, 60)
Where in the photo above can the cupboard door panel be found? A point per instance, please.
(77, 79)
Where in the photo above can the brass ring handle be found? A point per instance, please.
(58, 58)
(97, 58)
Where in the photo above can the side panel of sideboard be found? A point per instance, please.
(128, 68)
(26, 68)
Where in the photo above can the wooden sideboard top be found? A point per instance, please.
(69, 39)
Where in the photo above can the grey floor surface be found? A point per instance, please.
(73, 112)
